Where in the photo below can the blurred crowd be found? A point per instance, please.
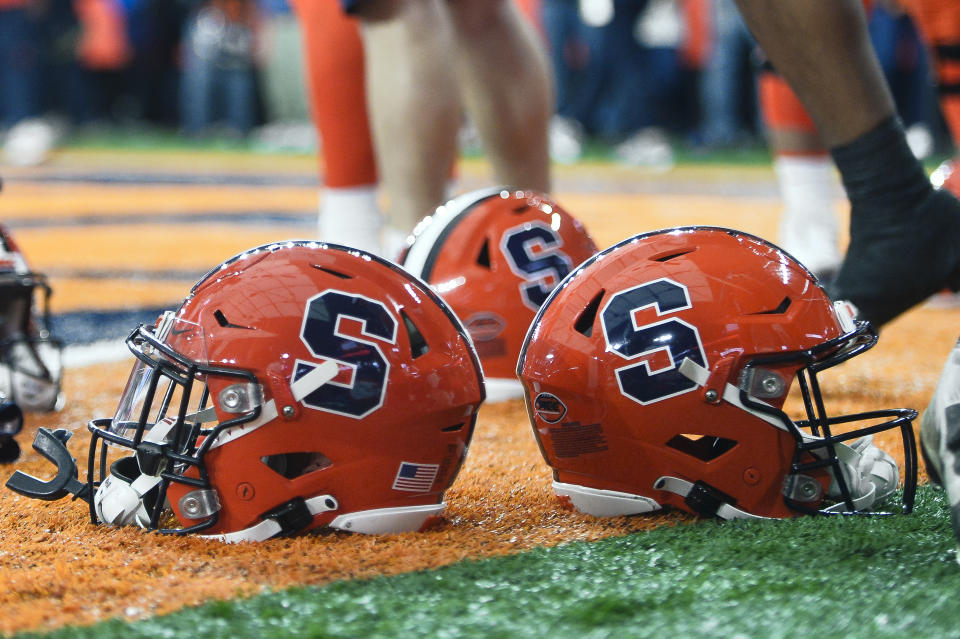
(636, 75)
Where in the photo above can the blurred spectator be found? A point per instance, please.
(600, 48)
(155, 29)
(286, 112)
(104, 53)
(727, 89)
(218, 82)
(27, 139)
(19, 62)
(903, 56)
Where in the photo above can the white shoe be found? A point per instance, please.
(649, 148)
(808, 223)
(29, 142)
(566, 140)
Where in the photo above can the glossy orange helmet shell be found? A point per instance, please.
(494, 255)
(299, 385)
(656, 375)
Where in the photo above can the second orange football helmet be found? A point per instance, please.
(656, 374)
(494, 255)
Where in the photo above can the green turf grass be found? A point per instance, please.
(809, 577)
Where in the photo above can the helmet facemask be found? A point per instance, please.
(830, 472)
(30, 359)
(167, 419)
(861, 474)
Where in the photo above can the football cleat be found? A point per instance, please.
(940, 436)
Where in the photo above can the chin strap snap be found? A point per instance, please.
(703, 499)
(287, 519)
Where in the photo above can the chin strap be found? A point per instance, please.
(292, 517)
(869, 473)
(299, 388)
(703, 499)
(119, 501)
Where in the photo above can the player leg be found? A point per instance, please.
(349, 213)
(506, 82)
(805, 175)
(413, 102)
(904, 235)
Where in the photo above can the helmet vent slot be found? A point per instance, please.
(483, 257)
(452, 429)
(671, 256)
(224, 322)
(704, 447)
(418, 345)
(293, 465)
(342, 276)
(779, 310)
(584, 323)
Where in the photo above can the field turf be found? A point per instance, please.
(848, 577)
(123, 231)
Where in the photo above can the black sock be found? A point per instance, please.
(881, 175)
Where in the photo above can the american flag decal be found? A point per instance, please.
(415, 478)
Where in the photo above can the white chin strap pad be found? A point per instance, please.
(869, 472)
(121, 504)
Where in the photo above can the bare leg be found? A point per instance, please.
(413, 102)
(904, 236)
(506, 83)
(822, 48)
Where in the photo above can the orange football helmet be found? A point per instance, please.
(656, 375)
(30, 358)
(494, 255)
(299, 385)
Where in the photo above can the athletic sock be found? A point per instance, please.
(351, 217)
(904, 235)
(881, 175)
(808, 222)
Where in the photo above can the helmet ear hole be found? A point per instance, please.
(418, 343)
(704, 447)
(293, 465)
